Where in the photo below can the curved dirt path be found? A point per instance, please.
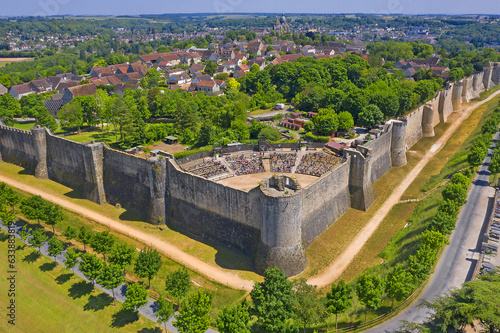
(171, 251)
(333, 272)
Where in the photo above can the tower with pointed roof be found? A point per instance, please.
(281, 24)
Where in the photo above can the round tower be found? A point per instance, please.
(281, 232)
(427, 119)
(40, 145)
(398, 143)
(158, 182)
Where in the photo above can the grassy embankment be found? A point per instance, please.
(216, 255)
(50, 298)
(399, 235)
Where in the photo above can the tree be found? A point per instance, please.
(33, 208)
(477, 301)
(84, 236)
(460, 179)
(419, 265)
(53, 215)
(338, 299)
(71, 258)
(442, 222)
(45, 119)
(38, 237)
(122, 256)
(178, 283)
(91, 267)
(398, 284)
(151, 80)
(434, 239)
(9, 107)
(345, 121)
(110, 278)
(194, 315)
(233, 319)
(8, 196)
(164, 310)
(273, 300)
(55, 247)
(102, 242)
(307, 305)
(326, 121)
(71, 116)
(148, 264)
(269, 133)
(370, 116)
(8, 216)
(70, 233)
(90, 109)
(369, 290)
(137, 296)
(456, 193)
(211, 68)
(233, 84)
(25, 232)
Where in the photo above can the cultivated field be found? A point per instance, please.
(5, 61)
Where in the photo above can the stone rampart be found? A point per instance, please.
(445, 103)
(456, 97)
(324, 202)
(16, 147)
(414, 127)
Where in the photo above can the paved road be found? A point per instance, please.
(148, 310)
(458, 260)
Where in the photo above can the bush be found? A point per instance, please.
(187, 153)
(269, 133)
(311, 137)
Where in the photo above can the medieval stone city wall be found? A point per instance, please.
(274, 230)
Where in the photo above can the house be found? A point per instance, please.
(181, 78)
(196, 68)
(239, 74)
(120, 89)
(221, 69)
(309, 49)
(336, 147)
(255, 47)
(3, 90)
(207, 86)
(291, 57)
(40, 86)
(54, 104)
(81, 90)
(261, 62)
(198, 76)
(222, 84)
(243, 68)
(375, 133)
(230, 65)
(20, 90)
(191, 58)
(133, 78)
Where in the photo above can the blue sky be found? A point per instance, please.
(130, 7)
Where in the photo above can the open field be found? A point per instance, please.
(107, 135)
(5, 61)
(248, 182)
(50, 298)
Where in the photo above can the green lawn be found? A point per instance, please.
(50, 298)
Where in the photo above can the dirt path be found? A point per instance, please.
(171, 251)
(336, 268)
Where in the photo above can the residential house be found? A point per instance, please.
(81, 90)
(255, 47)
(3, 90)
(181, 78)
(196, 68)
(309, 49)
(120, 89)
(197, 77)
(133, 78)
(243, 68)
(191, 58)
(54, 104)
(239, 74)
(207, 86)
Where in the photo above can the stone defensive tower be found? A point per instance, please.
(40, 145)
(398, 144)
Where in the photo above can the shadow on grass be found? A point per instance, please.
(26, 172)
(133, 215)
(124, 317)
(48, 266)
(98, 302)
(80, 289)
(32, 257)
(150, 330)
(63, 278)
